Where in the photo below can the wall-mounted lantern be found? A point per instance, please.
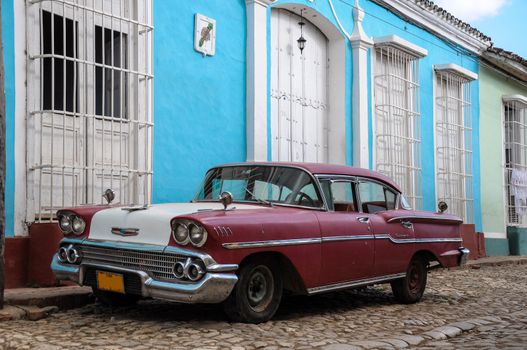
(301, 41)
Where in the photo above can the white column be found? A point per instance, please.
(360, 44)
(257, 90)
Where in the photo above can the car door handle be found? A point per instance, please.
(364, 220)
(407, 224)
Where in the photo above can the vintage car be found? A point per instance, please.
(255, 230)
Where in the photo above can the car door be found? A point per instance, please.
(394, 238)
(346, 234)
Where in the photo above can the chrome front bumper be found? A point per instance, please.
(214, 287)
(463, 257)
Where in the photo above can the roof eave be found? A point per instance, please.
(412, 12)
(509, 66)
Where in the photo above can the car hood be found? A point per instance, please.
(148, 226)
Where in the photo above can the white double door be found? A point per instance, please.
(299, 89)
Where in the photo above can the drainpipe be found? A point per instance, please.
(2, 168)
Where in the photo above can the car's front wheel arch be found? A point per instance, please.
(292, 281)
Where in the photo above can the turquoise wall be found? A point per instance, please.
(8, 40)
(380, 22)
(199, 102)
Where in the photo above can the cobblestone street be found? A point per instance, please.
(475, 308)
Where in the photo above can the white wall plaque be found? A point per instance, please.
(205, 35)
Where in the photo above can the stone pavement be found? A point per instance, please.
(462, 308)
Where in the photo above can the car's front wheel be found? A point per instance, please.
(257, 295)
(115, 299)
(410, 289)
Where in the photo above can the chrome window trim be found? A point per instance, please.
(339, 178)
(356, 283)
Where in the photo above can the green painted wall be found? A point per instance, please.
(493, 86)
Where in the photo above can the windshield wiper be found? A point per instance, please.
(260, 200)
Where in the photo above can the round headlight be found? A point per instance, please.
(63, 254)
(78, 225)
(65, 223)
(180, 233)
(198, 235)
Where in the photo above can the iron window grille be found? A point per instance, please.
(397, 120)
(453, 136)
(515, 133)
(89, 103)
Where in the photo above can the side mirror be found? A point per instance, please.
(109, 195)
(226, 199)
(442, 206)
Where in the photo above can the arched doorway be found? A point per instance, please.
(299, 90)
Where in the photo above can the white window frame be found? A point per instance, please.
(518, 104)
(130, 17)
(407, 54)
(460, 197)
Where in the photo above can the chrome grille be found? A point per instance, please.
(156, 265)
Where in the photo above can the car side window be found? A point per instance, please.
(342, 196)
(375, 197)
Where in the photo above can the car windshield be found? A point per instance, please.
(261, 184)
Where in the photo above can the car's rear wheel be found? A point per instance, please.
(256, 296)
(115, 299)
(410, 289)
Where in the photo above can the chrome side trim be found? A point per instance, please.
(409, 217)
(417, 240)
(353, 284)
(301, 241)
(271, 243)
(347, 238)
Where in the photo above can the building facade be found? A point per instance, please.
(144, 96)
(503, 99)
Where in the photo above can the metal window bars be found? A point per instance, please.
(453, 135)
(397, 120)
(89, 103)
(515, 132)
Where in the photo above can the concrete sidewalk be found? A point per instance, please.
(35, 303)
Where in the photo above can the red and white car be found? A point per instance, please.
(255, 230)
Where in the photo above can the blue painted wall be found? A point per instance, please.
(8, 40)
(199, 102)
(380, 22)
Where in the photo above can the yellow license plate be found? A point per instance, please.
(109, 281)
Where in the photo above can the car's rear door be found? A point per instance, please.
(346, 234)
(394, 238)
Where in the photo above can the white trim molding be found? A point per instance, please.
(257, 87)
(453, 68)
(516, 98)
(415, 13)
(401, 44)
(20, 228)
(360, 45)
(495, 235)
